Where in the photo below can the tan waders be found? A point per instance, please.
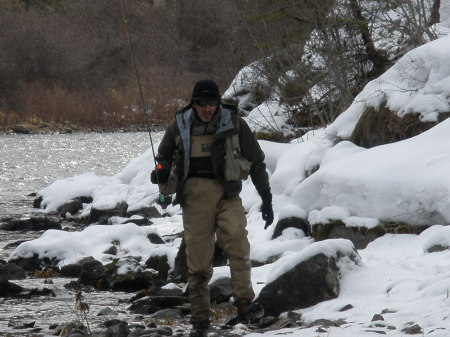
(205, 215)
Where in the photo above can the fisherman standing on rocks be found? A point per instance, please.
(204, 155)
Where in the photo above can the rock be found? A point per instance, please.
(220, 290)
(412, 329)
(107, 312)
(161, 265)
(382, 126)
(131, 277)
(120, 329)
(152, 304)
(148, 212)
(73, 206)
(294, 222)
(315, 278)
(143, 306)
(327, 323)
(138, 220)
(377, 317)
(28, 263)
(21, 129)
(168, 314)
(21, 325)
(155, 238)
(91, 270)
(361, 236)
(70, 270)
(12, 271)
(174, 291)
(101, 216)
(37, 202)
(346, 307)
(112, 250)
(8, 289)
(34, 223)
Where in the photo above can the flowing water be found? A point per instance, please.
(31, 162)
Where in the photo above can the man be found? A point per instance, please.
(211, 149)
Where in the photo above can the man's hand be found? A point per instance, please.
(266, 207)
(160, 174)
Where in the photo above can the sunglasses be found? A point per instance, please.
(204, 102)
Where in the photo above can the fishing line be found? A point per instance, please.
(138, 78)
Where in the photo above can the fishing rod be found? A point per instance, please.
(164, 200)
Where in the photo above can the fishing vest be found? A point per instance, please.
(236, 167)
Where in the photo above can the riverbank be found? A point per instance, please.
(67, 128)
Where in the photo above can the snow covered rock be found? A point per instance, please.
(308, 277)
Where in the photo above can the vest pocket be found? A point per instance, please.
(237, 168)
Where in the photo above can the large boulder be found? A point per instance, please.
(383, 126)
(308, 277)
(361, 236)
(11, 271)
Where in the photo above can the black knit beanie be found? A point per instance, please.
(205, 89)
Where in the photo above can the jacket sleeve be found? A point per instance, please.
(167, 147)
(252, 152)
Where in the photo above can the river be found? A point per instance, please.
(32, 162)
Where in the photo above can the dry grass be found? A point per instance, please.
(36, 103)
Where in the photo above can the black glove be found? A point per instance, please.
(160, 174)
(266, 207)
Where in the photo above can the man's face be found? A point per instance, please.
(205, 109)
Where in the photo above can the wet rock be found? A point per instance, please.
(34, 223)
(71, 329)
(152, 304)
(312, 280)
(21, 325)
(37, 202)
(101, 216)
(9, 289)
(12, 271)
(289, 222)
(107, 312)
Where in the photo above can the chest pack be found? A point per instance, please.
(237, 168)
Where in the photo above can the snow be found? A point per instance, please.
(316, 179)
